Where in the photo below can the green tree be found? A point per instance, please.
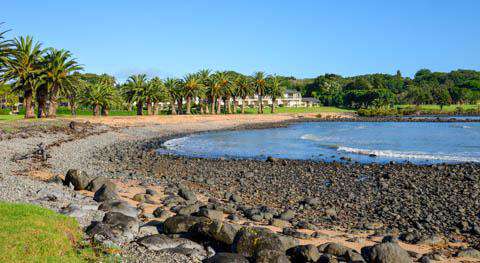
(172, 87)
(98, 96)
(417, 95)
(23, 68)
(275, 89)
(135, 90)
(215, 91)
(191, 86)
(245, 88)
(260, 82)
(156, 93)
(58, 68)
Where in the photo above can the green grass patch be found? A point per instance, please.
(446, 108)
(30, 233)
(10, 117)
(318, 109)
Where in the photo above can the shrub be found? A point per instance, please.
(4, 111)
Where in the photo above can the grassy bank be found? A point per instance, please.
(30, 233)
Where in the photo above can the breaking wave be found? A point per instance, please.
(408, 155)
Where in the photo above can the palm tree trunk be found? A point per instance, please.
(189, 102)
(139, 107)
(228, 109)
(42, 102)
(261, 104)
(52, 107)
(235, 105)
(156, 107)
(213, 104)
(149, 107)
(29, 105)
(273, 105)
(180, 105)
(207, 110)
(73, 106)
(104, 111)
(96, 110)
(172, 105)
(243, 104)
(219, 106)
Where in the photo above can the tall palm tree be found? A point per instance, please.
(205, 79)
(245, 88)
(99, 95)
(155, 93)
(138, 86)
(191, 85)
(215, 91)
(23, 67)
(260, 85)
(275, 89)
(171, 86)
(5, 49)
(223, 80)
(58, 69)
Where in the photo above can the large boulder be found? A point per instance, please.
(106, 193)
(304, 253)
(79, 179)
(120, 207)
(97, 183)
(271, 256)
(222, 232)
(386, 253)
(115, 227)
(211, 214)
(249, 241)
(160, 242)
(187, 194)
(335, 249)
(227, 258)
(181, 224)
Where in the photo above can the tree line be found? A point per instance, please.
(384, 90)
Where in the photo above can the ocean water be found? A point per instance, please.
(418, 142)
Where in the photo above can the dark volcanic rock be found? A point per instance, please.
(304, 253)
(120, 207)
(181, 224)
(386, 253)
(217, 230)
(115, 227)
(79, 179)
(227, 258)
(106, 193)
(97, 183)
(249, 241)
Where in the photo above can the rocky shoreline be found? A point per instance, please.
(433, 206)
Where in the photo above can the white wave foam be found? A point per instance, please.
(408, 155)
(176, 143)
(311, 137)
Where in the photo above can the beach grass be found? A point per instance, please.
(29, 233)
(446, 108)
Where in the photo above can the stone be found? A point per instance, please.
(306, 225)
(150, 191)
(181, 224)
(235, 198)
(187, 194)
(327, 258)
(469, 253)
(304, 253)
(79, 179)
(211, 214)
(271, 256)
(120, 207)
(188, 210)
(227, 258)
(294, 233)
(335, 249)
(160, 242)
(160, 213)
(116, 227)
(98, 182)
(139, 198)
(386, 253)
(434, 240)
(217, 230)
(106, 193)
(249, 241)
(312, 201)
(279, 223)
(287, 215)
(373, 225)
(354, 257)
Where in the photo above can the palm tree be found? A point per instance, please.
(223, 82)
(275, 89)
(99, 95)
(214, 91)
(58, 69)
(23, 67)
(137, 87)
(191, 85)
(245, 88)
(171, 86)
(5, 49)
(156, 93)
(260, 85)
(204, 76)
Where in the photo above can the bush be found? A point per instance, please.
(4, 111)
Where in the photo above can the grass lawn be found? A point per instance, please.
(318, 109)
(447, 108)
(10, 117)
(30, 233)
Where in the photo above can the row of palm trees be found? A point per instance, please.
(44, 75)
(203, 90)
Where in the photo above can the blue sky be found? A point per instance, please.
(298, 38)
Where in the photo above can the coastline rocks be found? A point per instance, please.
(271, 256)
(107, 192)
(304, 253)
(287, 215)
(386, 253)
(97, 183)
(187, 194)
(120, 207)
(227, 258)
(181, 224)
(160, 242)
(250, 241)
(217, 230)
(115, 228)
(79, 179)
(211, 214)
